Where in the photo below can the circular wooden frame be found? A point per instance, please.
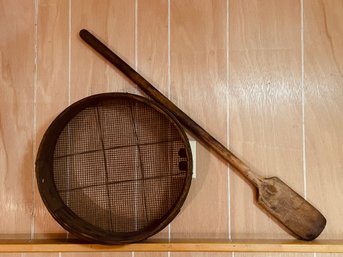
(59, 209)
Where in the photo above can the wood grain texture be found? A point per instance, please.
(258, 111)
(98, 254)
(198, 86)
(155, 247)
(10, 254)
(38, 255)
(17, 53)
(275, 254)
(113, 21)
(265, 104)
(323, 85)
(152, 42)
(52, 93)
(152, 59)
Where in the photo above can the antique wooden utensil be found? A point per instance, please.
(286, 206)
(114, 168)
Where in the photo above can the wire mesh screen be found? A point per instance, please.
(118, 165)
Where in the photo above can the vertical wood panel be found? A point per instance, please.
(52, 89)
(17, 55)
(323, 83)
(265, 104)
(152, 58)
(113, 22)
(152, 42)
(198, 86)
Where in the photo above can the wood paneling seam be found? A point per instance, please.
(34, 118)
(136, 35)
(303, 97)
(69, 52)
(168, 50)
(227, 39)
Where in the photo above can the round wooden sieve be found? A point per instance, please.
(114, 168)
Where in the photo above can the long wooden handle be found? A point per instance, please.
(291, 210)
(151, 91)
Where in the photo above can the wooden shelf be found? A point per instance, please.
(320, 246)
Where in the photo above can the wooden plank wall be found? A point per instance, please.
(265, 77)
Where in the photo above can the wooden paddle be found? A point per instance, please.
(274, 196)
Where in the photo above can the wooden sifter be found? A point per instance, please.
(286, 206)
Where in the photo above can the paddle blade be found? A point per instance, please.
(290, 209)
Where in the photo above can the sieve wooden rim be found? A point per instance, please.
(56, 206)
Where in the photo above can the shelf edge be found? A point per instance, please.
(323, 246)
